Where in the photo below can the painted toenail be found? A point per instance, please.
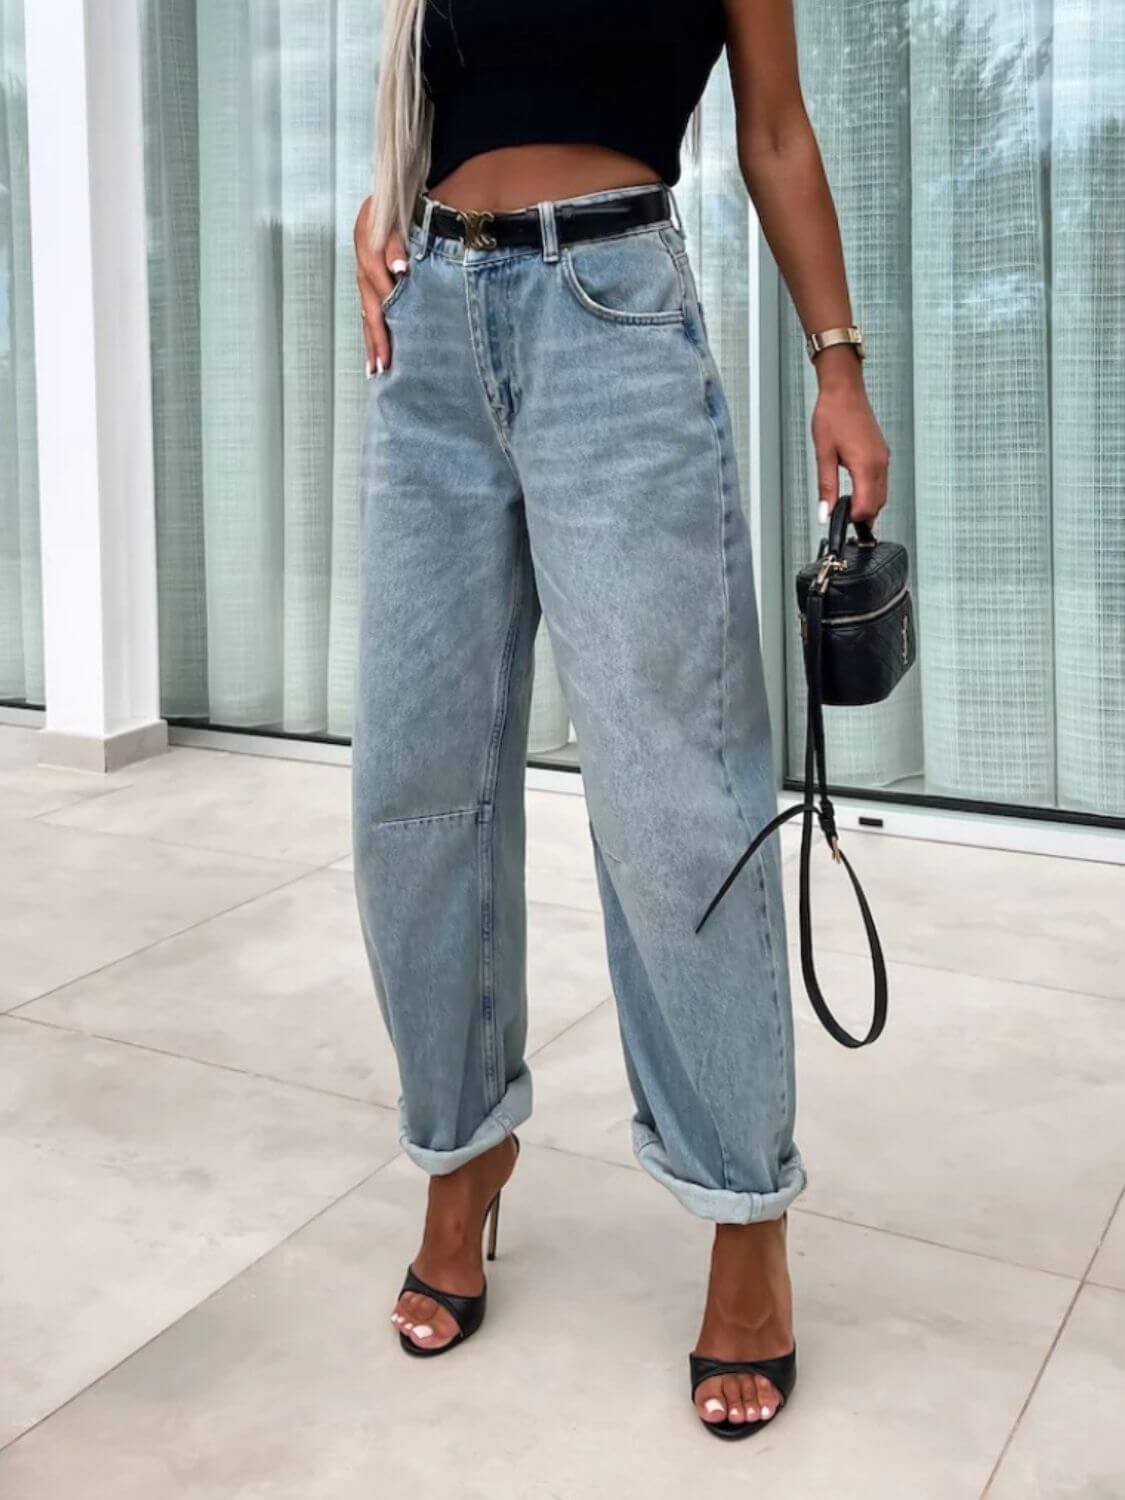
(767, 1413)
(423, 1331)
(736, 1413)
(713, 1405)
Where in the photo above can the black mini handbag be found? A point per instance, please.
(857, 628)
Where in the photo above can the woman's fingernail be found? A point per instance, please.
(367, 367)
(379, 367)
(399, 267)
(423, 1331)
(822, 512)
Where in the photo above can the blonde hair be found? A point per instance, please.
(404, 120)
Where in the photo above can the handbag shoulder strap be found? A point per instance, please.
(817, 804)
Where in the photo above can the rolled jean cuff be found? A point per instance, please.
(514, 1108)
(719, 1205)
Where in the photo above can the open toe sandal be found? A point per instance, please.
(466, 1312)
(781, 1374)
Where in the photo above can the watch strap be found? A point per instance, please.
(816, 343)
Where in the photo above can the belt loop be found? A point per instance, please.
(677, 222)
(427, 215)
(549, 230)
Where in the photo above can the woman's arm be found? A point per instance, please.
(785, 177)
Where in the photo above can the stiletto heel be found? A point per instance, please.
(493, 1226)
(466, 1312)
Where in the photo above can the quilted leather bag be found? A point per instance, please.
(858, 632)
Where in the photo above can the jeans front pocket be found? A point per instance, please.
(396, 291)
(631, 278)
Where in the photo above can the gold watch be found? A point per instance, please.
(816, 343)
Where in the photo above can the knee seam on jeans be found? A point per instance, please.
(422, 818)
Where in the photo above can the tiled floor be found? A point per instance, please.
(205, 1211)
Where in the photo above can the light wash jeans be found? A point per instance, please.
(552, 433)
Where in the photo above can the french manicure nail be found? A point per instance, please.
(399, 267)
(767, 1413)
(423, 1331)
(368, 369)
(379, 367)
(713, 1405)
(822, 512)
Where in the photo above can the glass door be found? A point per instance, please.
(977, 151)
(21, 612)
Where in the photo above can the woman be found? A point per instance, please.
(548, 431)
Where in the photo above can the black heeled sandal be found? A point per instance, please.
(466, 1312)
(781, 1374)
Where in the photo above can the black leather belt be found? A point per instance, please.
(574, 221)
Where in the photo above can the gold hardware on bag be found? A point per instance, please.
(475, 223)
(828, 564)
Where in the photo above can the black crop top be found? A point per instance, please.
(619, 73)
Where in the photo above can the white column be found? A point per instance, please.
(93, 383)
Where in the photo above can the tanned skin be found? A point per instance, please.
(749, 1310)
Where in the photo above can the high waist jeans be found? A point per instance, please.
(552, 435)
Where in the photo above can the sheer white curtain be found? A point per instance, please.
(258, 122)
(259, 136)
(21, 616)
(976, 150)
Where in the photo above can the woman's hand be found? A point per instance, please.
(846, 435)
(377, 271)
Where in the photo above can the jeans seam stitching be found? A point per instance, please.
(474, 340)
(493, 1081)
(527, 252)
(673, 319)
(724, 508)
(455, 812)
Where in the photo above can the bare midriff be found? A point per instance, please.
(519, 176)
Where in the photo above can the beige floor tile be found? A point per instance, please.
(289, 1382)
(75, 900)
(281, 987)
(240, 804)
(1109, 1267)
(560, 859)
(990, 1116)
(1054, 922)
(1069, 1445)
(18, 747)
(134, 1185)
(27, 789)
(582, 1098)
(947, 1129)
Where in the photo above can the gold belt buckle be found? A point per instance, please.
(475, 225)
